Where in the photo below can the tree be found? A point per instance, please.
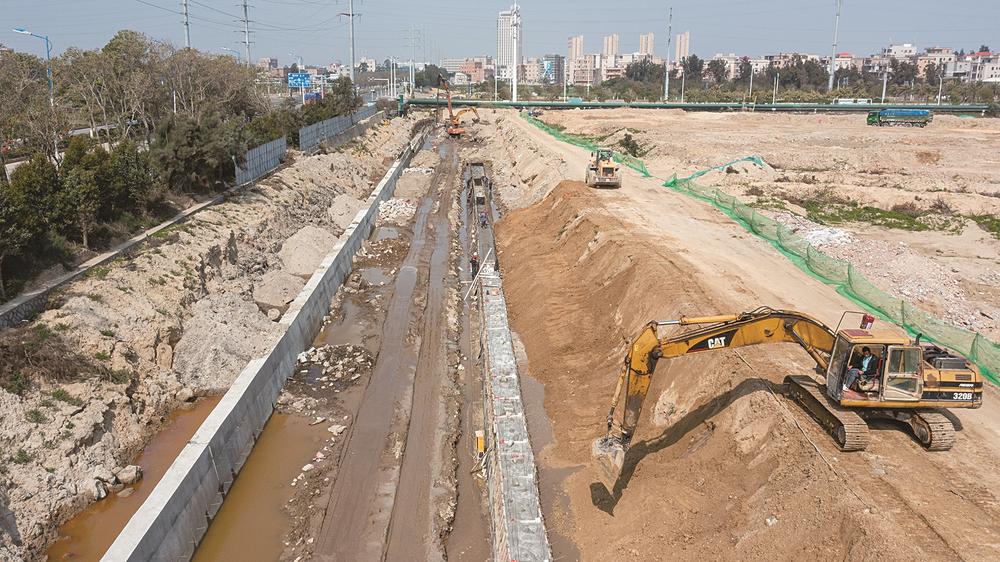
(718, 70)
(644, 71)
(693, 67)
(16, 226)
(196, 157)
(931, 73)
(744, 70)
(80, 199)
(984, 49)
(902, 72)
(130, 179)
(37, 182)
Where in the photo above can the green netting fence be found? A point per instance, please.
(588, 143)
(832, 271)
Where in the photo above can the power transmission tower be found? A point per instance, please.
(187, 25)
(246, 29)
(412, 44)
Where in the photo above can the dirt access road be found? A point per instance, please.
(722, 463)
(381, 506)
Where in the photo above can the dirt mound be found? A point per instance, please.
(719, 463)
(222, 335)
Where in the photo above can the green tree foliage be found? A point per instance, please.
(79, 201)
(16, 225)
(718, 71)
(195, 156)
(37, 181)
(644, 71)
(902, 72)
(693, 67)
(129, 181)
(430, 76)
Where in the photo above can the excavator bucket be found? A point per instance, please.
(609, 456)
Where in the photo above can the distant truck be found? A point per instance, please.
(900, 117)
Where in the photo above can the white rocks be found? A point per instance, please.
(308, 467)
(185, 394)
(130, 474)
(771, 521)
(336, 429)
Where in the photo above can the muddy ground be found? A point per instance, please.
(723, 464)
(177, 320)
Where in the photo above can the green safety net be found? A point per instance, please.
(588, 143)
(832, 271)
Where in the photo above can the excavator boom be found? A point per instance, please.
(760, 326)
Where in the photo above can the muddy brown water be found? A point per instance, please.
(89, 535)
(252, 520)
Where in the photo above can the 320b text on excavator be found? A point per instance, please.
(868, 374)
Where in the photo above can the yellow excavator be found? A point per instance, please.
(896, 378)
(455, 128)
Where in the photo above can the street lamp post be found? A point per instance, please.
(48, 72)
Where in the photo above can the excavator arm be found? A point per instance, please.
(761, 326)
(458, 115)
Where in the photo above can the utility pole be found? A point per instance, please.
(515, 26)
(833, 57)
(187, 26)
(940, 85)
(246, 30)
(750, 95)
(774, 95)
(351, 10)
(666, 64)
(683, 80)
(885, 82)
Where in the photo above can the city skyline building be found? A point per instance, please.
(507, 21)
(610, 48)
(683, 46)
(646, 43)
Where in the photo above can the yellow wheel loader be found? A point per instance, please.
(602, 171)
(869, 374)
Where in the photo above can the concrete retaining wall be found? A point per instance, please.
(515, 509)
(177, 513)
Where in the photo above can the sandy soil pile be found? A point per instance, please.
(722, 462)
(179, 319)
(945, 172)
(522, 171)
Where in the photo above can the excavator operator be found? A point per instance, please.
(865, 366)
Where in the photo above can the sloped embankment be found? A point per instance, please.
(722, 466)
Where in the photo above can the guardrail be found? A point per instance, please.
(261, 161)
(176, 515)
(311, 136)
(807, 107)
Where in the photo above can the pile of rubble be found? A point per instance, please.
(339, 363)
(911, 277)
(397, 211)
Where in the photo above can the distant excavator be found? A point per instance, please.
(455, 129)
(906, 380)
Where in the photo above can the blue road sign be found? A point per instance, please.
(299, 80)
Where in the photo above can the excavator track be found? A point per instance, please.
(848, 428)
(933, 429)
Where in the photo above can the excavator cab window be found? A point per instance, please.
(903, 379)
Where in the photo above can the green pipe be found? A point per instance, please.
(432, 102)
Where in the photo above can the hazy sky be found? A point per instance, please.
(455, 28)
